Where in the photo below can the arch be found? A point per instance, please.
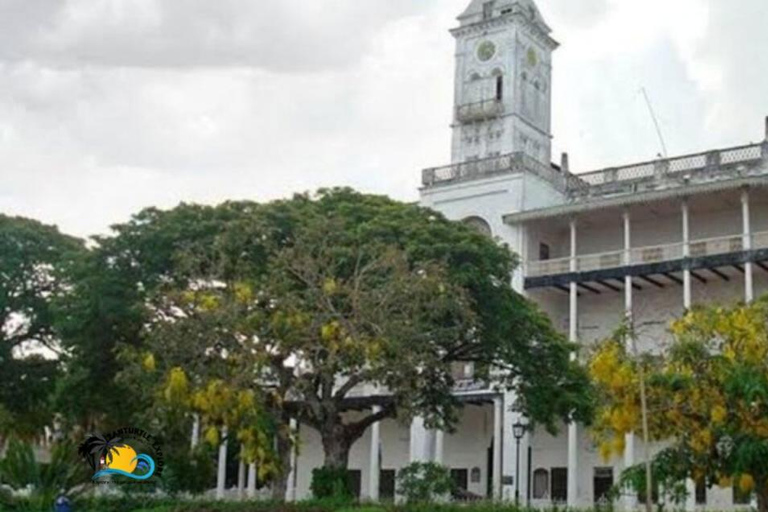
(479, 225)
(540, 484)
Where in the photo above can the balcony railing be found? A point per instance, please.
(653, 175)
(646, 255)
(479, 111)
(487, 167)
(701, 166)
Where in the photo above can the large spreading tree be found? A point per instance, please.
(707, 399)
(316, 298)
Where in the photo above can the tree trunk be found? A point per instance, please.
(762, 497)
(336, 448)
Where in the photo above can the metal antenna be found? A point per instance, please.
(655, 122)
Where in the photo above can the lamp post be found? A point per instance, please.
(518, 430)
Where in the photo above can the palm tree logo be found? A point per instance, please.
(99, 451)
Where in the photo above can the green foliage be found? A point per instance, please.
(35, 263)
(192, 473)
(20, 470)
(707, 397)
(332, 483)
(669, 468)
(424, 482)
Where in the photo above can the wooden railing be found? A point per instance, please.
(644, 255)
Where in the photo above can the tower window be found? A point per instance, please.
(488, 10)
(499, 88)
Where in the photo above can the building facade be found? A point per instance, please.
(649, 239)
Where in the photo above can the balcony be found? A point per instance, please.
(663, 260)
(740, 162)
(479, 111)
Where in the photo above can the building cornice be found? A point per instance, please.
(589, 205)
(539, 33)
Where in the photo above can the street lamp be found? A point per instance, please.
(518, 430)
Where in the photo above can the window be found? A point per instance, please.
(701, 493)
(355, 481)
(602, 484)
(540, 484)
(479, 225)
(559, 485)
(488, 10)
(387, 484)
(544, 252)
(499, 88)
(460, 479)
(506, 10)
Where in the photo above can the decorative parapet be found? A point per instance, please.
(494, 166)
(670, 172)
(730, 163)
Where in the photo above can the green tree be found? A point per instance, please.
(707, 399)
(35, 266)
(322, 295)
(107, 309)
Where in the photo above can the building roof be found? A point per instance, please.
(474, 12)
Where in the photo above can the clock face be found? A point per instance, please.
(485, 51)
(532, 58)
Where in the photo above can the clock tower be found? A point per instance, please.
(503, 83)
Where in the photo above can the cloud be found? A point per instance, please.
(279, 35)
(107, 107)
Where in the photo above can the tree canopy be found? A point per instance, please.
(319, 296)
(34, 272)
(707, 398)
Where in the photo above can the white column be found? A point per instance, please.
(251, 480)
(690, 500)
(629, 498)
(374, 468)
(439, 447)
(573, 431)
(690, 485)
(290, 493)
(195, 431)
(241, 469)
(418, 445)
(498, 440)
(749, 289)
(221, 476)
(686, 253)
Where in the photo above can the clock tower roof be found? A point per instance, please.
(481, 10)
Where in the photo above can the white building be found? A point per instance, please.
(652, 238)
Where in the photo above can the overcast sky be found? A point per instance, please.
(110, 106)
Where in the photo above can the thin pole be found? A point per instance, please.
(655, 122)
(517, 472)
(644, 411)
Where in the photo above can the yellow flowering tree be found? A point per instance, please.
(707, 398)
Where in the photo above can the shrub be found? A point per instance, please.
(20, 470)
(332, 483)
(424, 482)
(189, 472)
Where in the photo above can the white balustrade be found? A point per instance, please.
(646, 255)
